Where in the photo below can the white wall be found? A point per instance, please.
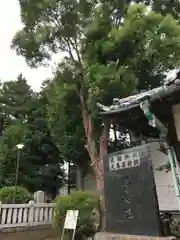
(164, 181)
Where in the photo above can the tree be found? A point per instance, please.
(15, 97)
(26, 122)
(107, 58)
(170, 6)
(41, 153)
(146, 37)
(67, 128)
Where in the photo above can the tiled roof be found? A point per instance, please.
(171, 85)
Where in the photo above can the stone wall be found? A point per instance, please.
(36, 233)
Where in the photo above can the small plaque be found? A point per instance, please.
(122, 161)
(71, 219)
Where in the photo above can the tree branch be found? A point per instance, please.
(69, 49)
(75, 46)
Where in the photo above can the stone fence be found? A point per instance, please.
(25, 215)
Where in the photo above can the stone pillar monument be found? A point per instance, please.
(39, 197)
(130, 194)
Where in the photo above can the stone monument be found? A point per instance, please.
(39, 197)
(130, 195)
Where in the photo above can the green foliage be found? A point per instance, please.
(166, 7)
(15, 97)
(140, 51)
(175, 228)
(22, 195)
(25, 121)
(86, 203)
(53, 24)
(113, 50)
(65, 122)
(41, 153)
(50, 27)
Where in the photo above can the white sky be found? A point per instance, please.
(10, 64)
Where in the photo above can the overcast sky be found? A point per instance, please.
(11, 64)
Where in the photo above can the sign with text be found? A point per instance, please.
(130, 194)
(122, 161)
(71, 219)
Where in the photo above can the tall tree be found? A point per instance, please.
(15, 97)
(66, 126)
(13, 134)
(106, 58)
(25, 121)
(41, 153)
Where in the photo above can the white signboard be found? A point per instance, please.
(71, 219)
(123, 161)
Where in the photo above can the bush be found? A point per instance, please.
(175, 228)
(7, 195)
(88, 219)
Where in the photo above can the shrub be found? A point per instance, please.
(175, 228)
(7, 195)
(87, 204)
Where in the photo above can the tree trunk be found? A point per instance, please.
(103, 148)
(102, 210)
(79, 179)
(96, 156)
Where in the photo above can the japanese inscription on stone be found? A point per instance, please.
(130, 193)
(127, 199)
(123, 161)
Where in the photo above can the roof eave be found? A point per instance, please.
(172, 89)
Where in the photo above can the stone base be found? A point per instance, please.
(112, 236)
